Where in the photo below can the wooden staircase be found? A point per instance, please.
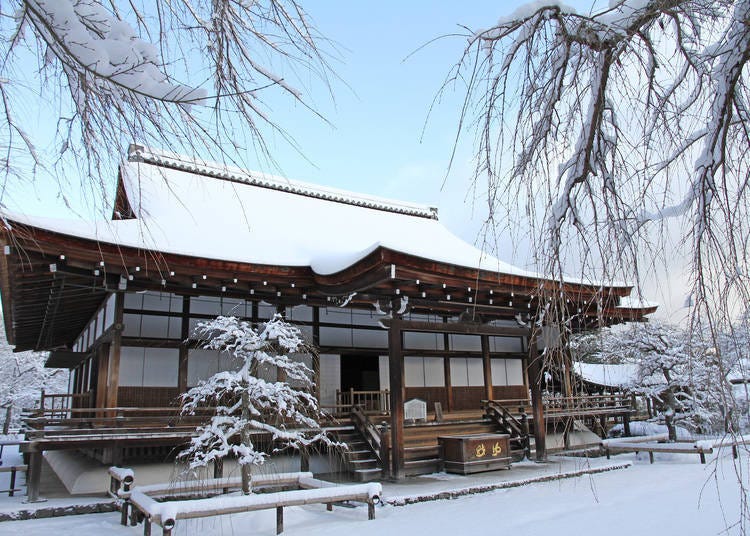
(359, 459)
(369, 446)
(422, 453)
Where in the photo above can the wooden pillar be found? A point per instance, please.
(113, 370)
(567, 362)
(33, 476)
(487, 367)
(101, 376)
(182, 366)
(537, 404)
(396, 372)
(316, 355)
(447, 369)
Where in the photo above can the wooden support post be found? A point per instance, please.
(702, 455)
(447, 369)
(385, 452)
(329, 507)
(304, 460)
(182, 364)
(279, 519)
(146, 527)
(280, 372)
(734, 452)
(487, 367)
(113, 371)
(537, 404)
(316, 356)
(567, 425)
(370, 510)
(526, 441)
(650, 456)
(396, 371)
(626, 425)
(124, 513)
(33, 476)
(12, 490)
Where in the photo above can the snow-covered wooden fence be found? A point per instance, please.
(656, 443)
(145, 507)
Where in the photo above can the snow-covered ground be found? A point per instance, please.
(676, 495)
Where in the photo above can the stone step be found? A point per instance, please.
(367, 475)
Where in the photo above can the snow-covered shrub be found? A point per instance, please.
(245, 402)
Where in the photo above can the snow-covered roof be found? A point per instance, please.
(610, 375)
(212, 211)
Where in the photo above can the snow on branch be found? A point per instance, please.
(604, 124)
(185, 75)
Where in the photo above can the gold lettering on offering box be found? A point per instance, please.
(497, 449)
(480, 450)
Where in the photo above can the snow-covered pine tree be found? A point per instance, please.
(679, 370)
(246, 403)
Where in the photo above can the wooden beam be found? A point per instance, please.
(464, 328)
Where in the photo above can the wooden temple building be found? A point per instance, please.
(397, 306)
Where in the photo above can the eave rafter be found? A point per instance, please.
(36, 260)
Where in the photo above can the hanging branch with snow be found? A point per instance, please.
(188, 75)
(248, 406)
(613, 126)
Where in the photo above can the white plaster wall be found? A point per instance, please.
(148, 367)
(330, 378)
(466, 371)
(385, 377)
(434, 373)
(514, 369)
(413, 371)
(499, 374)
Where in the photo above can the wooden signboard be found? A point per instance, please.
(475, 453)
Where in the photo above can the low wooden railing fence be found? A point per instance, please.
(60, 403)
(571, 404)
(371, 402)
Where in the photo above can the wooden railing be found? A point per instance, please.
(572, 404)
(378, 441)
(518, 429)
(41, 423)
(370, 402)
(61, 402)
(587, 403)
